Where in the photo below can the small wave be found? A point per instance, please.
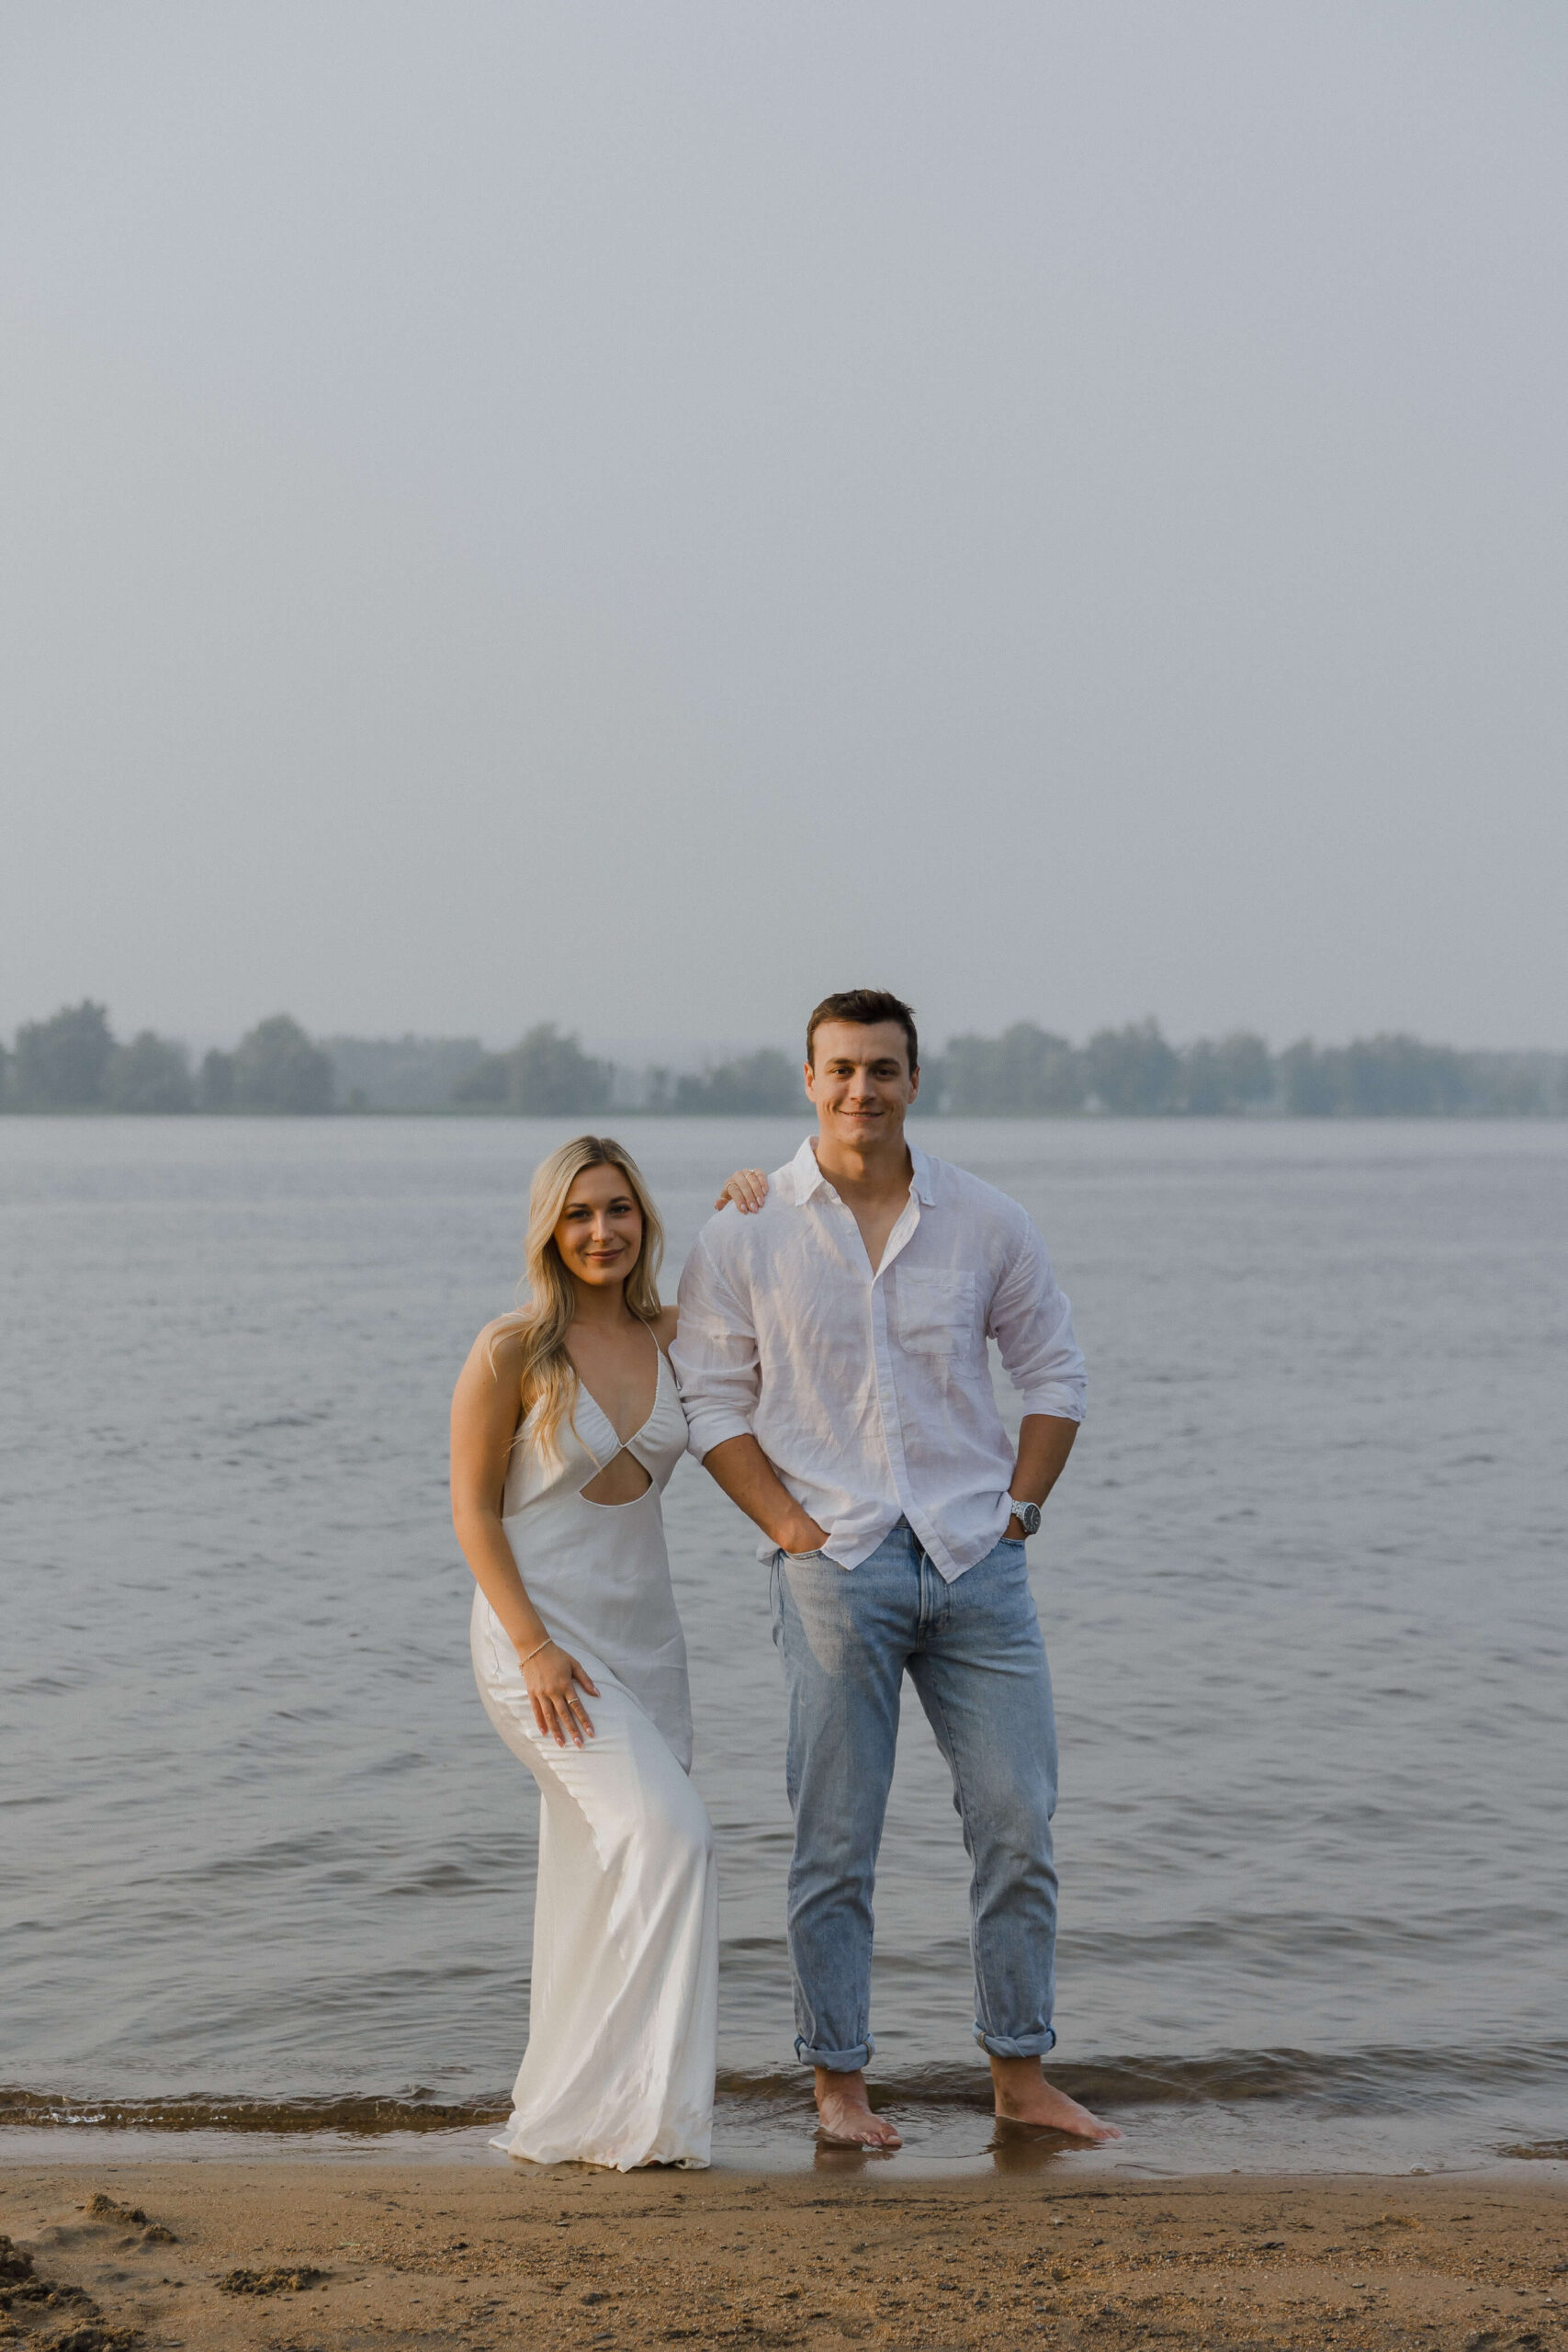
(1380, 2080)
(361, 2118)
(1377, 2079)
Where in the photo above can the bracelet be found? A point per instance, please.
(544, 1644)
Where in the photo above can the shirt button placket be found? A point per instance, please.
(892, 1427)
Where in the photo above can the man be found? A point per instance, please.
(831, 1352)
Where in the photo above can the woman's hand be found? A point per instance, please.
(748, 1188)
(552, 1674)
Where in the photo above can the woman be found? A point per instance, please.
(565, 1425)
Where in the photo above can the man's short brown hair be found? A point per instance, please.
(865, 1006)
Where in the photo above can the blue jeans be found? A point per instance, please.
(974, 1652)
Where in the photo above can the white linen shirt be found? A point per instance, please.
(870, 1393)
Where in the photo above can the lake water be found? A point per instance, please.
(1302, 1588)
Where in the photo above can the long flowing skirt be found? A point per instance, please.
(624, 2012)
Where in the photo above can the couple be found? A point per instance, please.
(828, 1366)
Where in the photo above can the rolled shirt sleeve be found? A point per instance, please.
(1031, 1322)
(715, 1354)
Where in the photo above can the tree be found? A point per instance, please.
(1398, 1077)
(934, 1082)
(1133, 1070)
(1042, 1073)
(1217, 1080)
(755, 1086)
(544, 1076)
(970, 1070)
(552, 1077)
(1311, 1081)
(278, 1068)
(404, 1073)
(149, 1075)
(60, 1063)
(1024, 1073)
(485, 1084)
(1513, 1086)
(215, 1087)
(1377, 1078)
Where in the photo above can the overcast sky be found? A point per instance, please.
(639, 514)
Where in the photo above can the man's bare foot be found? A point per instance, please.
(1023, 2096)
(843, 2113)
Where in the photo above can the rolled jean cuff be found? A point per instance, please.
(1028, 2045)
(838, 2062)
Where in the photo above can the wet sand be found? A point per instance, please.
(322, 2257)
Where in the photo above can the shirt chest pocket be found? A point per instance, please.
(934, 1313)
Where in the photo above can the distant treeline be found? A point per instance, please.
(74, 1062)
(1134, 1072)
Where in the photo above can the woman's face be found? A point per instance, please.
(599, 1231)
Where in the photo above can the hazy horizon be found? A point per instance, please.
(640, 517)
(635, 1052)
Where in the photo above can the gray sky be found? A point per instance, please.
(641, 514)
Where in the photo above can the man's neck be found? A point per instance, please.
(882, 1173)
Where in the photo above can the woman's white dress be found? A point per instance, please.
(624, 2011)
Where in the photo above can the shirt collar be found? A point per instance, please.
(924, 1178)
(809, 1180)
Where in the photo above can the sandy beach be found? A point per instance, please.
(318, 2257)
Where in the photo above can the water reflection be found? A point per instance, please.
(831, 2156)
(1024, 2148)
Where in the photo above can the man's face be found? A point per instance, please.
(859, 1076)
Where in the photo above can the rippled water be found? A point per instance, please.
(1302, 1587)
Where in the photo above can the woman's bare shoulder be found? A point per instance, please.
(499, 1348)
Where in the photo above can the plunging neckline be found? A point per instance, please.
(625, 1444)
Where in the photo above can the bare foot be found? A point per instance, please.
(1023, 2096)
(844, 2115)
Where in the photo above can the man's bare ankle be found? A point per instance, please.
(844, 2110)
(1025, 2096)
(1016, 2078)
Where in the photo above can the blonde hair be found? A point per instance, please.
(542, 1323)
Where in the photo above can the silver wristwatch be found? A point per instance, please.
(1027, 1515)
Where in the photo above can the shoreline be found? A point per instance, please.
(1249, 2127)
(1055, 2164)
(290, 2255)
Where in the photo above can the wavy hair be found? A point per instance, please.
(542, 1322)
